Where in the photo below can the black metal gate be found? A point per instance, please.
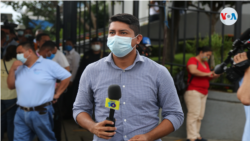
(78, 24)
(84, 20)
(185, 9)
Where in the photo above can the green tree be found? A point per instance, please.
(101, 16)
(168, 50)
(46, 9)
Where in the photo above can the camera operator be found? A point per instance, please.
(243, 94)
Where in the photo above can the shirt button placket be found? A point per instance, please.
(122, 107)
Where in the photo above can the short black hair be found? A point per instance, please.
(69, 39)
(129, 19)
(27, 45)
(31, 29)
(96, 39)
(28, 28)
(3, 35)
(5, 27)
(204, 49)
(48, 44)
(12, 31)
(39, 36)
(10, 53)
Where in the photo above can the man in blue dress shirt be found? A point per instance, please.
(145, 86)
(34, 79)
(243, 95)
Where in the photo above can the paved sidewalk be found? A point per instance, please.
(75, 133)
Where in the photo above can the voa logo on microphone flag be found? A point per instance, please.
(112, 104)
(228, 16)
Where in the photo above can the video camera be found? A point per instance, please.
(236, 71)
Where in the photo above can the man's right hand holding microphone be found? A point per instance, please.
(100, 130)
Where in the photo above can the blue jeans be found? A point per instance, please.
(29, 124)
(7, 120)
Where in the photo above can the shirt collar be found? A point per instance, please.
(40, 59)
(72, 50)
(138, 58)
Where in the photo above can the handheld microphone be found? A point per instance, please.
(112, 102)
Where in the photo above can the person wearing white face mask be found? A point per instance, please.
(94, 54)
(143, 92)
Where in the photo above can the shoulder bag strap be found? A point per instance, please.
(5, 66)
(192, 75)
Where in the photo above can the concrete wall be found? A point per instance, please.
(204, 25)
(191, 26)
(128, 8)
(224, 118)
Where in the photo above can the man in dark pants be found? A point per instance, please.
(94, 54)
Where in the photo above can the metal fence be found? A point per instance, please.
(74, 28)
(238, 7)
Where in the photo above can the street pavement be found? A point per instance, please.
(75, 133)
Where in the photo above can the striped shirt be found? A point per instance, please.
(145, 85)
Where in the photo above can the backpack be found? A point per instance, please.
(180, 83)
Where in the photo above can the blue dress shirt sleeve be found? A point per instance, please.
(168, 99)
(84, 99)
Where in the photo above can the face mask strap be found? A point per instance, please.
(136, 36)
(133, 38)
(28, 56)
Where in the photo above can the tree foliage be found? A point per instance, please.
(46, 9)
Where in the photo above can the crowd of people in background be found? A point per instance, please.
(23, 50)
(68, 58)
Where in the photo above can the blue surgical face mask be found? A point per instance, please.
(21, 58)
(120, 46)
(68, 47)
(27, 35)
(20, 33)
(51, 56)
(7, 37)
